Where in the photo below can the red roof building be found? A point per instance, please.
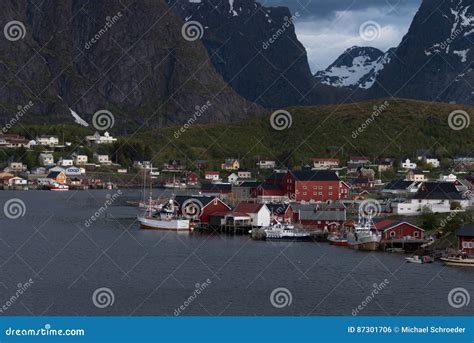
(399, 230)
(466, 239)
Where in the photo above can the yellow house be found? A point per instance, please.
(230, 164)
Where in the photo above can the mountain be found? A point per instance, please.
(434, 61)
(256, 51)
(75, 57)
(356, 67)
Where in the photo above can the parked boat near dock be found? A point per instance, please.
(279, 231)
(166, 219)
(363, 237)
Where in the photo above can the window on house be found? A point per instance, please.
(305, 193)
(415, 234)
(330, 193)
(392, 234)
(320, 193)
(315, 193)
(304, 187)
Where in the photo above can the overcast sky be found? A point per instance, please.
(328, 27)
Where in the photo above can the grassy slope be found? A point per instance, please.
(323, 131)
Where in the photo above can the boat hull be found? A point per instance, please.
(158, 224)
(290, 238)
(366, 246)
(338, 242)
(458, 262)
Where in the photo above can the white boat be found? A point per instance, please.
(363, 237)
(458, 261)
(166, 219)
(419, 259)
(281, 231)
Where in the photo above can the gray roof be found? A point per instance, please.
(323, 215)
(466, 230)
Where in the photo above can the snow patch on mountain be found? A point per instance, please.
(462, 20)
(356, 67)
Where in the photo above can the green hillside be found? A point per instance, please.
(323, 131)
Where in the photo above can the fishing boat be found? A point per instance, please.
(166, 219)
(362, 237)
(175, 184)
(419, 259)
(458, 261)
(338, 240)
(279, 231)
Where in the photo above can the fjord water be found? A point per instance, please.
(156, 272)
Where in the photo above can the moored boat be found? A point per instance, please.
(363, 237)
(338, 240)
(166, 219)
(279, 231)
(458, 261)
(419, 259)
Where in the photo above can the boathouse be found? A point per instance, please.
(399, 230)
(465, 236)
(207, 205)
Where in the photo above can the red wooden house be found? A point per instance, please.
(399, 230)
(192, 179)
(314, 185)
(331, 218)
(208, 205)
(466, 239)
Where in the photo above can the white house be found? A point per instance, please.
(244, 174)
(66, 162)
(16, 181)
(47, 140)
(435, 196)
(415, 175)
(46, 159)
(325, 163)
(99, 139)
(232, 178)
(16, 167)
(434, 162)
(408, 164)
(259, 214)
(266, 164)
(80, 159)
(102, 159)
(212, 175)
(448, 178)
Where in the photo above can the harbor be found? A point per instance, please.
(68, 260)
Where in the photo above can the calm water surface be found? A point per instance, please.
(155, 272)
